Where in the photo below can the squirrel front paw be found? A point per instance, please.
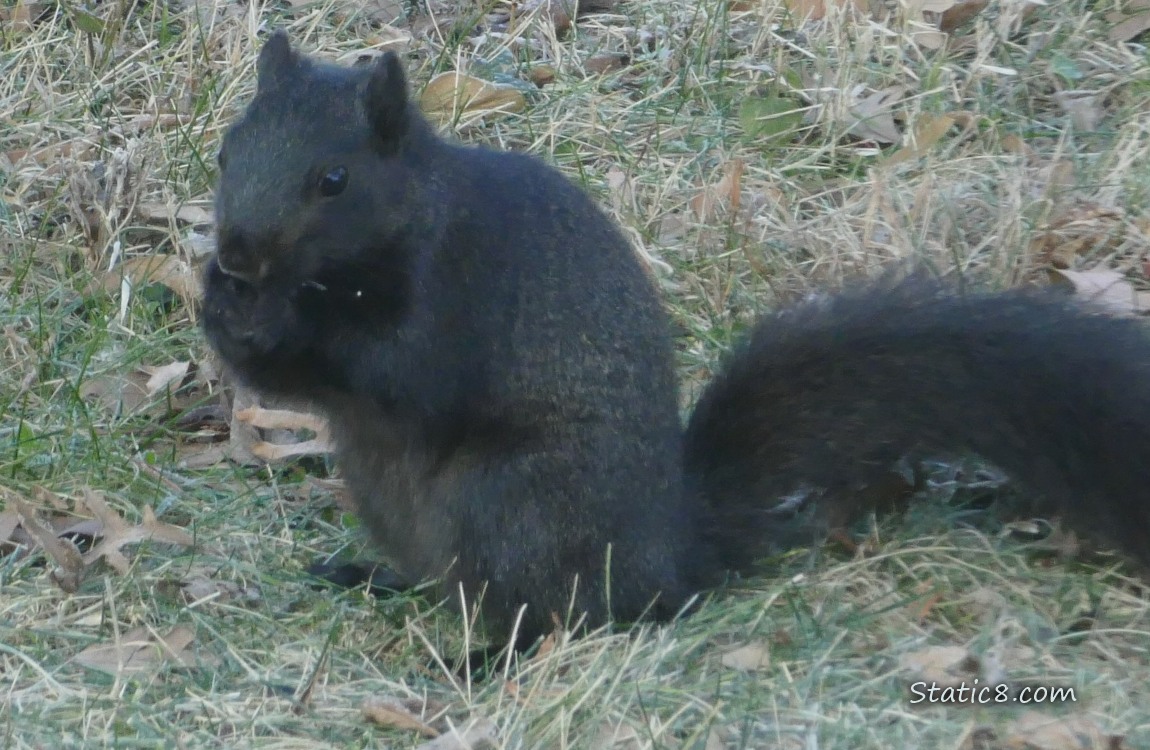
(244, 322)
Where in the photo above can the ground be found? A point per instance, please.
(754, 152)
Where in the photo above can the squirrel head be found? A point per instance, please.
(320, 177)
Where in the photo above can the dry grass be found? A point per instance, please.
(110, 120)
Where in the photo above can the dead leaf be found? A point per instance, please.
(452, 94)
(1129, 22)
(928, 131)
(622, 191)
(943, 665)
(816, 10)
(202, 587)
(9, 520)
(1013, 144)
(478, 735)
(387, 12)
(1103, 287)
(617, 737)
(921, 610)
(959, 13)
(750, 658)
(727, 191)
(875, 117)
(169, 270)
(201, 455)
(925, 35)
(541, 75)
(392, 713)
(930, 6)
(184, 214)
(23, 15)
(117, 533)
(1078, 230)
(546, 647)
(69, 563)
(122, 395)
(1034, 730)
(138, 651)
(1083, 107)
(51, 155)
(560, 14)
(129, 393)
(160, 378)
(606, 62)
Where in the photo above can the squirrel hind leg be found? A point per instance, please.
(380, 579)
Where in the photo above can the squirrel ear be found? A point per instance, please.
(276, 59)
(385, 99)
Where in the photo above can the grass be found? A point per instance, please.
(111, 114)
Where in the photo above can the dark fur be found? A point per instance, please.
(497, 367)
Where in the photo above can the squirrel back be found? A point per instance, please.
(497, 368)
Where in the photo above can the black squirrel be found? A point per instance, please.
(497, 368)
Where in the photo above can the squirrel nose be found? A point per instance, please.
(243, 274)
(238, 255)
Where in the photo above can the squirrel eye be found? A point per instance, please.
(333, 182)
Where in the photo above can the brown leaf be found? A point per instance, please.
(129, 393)
(120, 394)
(1129, 22)
(138, 651)
(1080, 229)
(959, 13)
(1083, 107)
(22, 16)
(201, 587)
(622, 189)
(1110, 289)
(606, 62)
(451, 94)
(51, 155)
(541, 75)
(559, 13)
(874, 116)
(169, 270)
(9, 520)
(477, 735)
(750, 658)
(816, 10)
(389, 12)
(164, 377)
(184, 214)
(727, 191)
(392, 713)
(201, 455)
(70, 564)
(1034, 730)
(928, 131)
(117, 533)
(612, 736)
(944, 665)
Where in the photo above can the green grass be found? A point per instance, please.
(114, 108)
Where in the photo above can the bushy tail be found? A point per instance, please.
(830, 394)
